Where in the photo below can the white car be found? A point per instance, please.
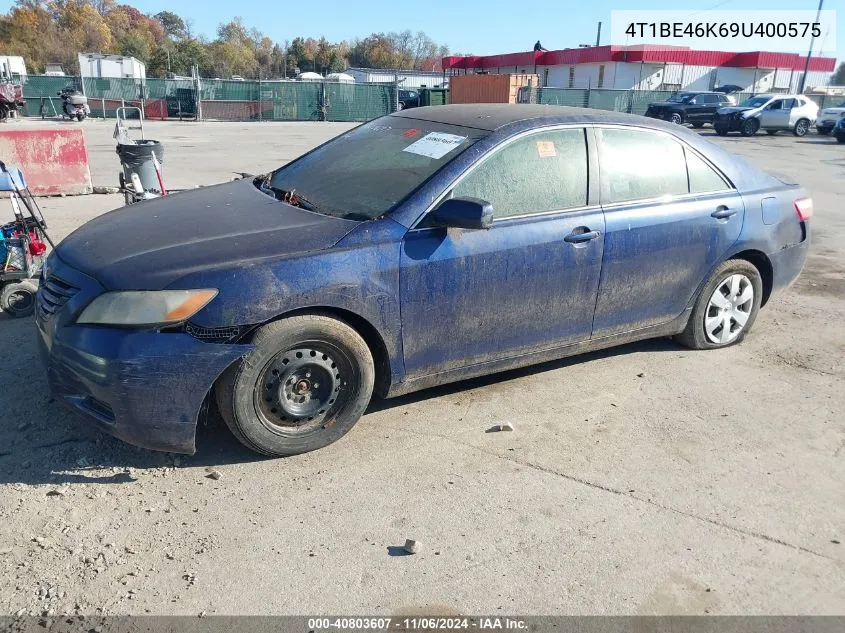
(770, 112)
(828, 118)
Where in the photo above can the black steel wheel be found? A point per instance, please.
(306, 383)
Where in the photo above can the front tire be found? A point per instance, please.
(676, 118)
(305, 385)
(801, 127)
(726, 308)
(824, 131)
(749, 127)
(698, 125)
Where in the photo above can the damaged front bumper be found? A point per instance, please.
(143, 387)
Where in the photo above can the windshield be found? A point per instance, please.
(681, 97)
(369, 170)
(755, 102)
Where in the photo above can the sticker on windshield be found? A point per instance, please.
(435, 144)
(546, 149)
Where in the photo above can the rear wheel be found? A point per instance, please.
(721, 131)
(676, 118)
(726, 308)
(802, 127)
(306, 383)
(840, 138)
(749, 127)
(771, 132)
(698, 125)
(17, 299)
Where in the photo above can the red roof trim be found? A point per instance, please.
(645, 54)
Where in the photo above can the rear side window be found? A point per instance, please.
(540, 172)
(639, 164)
(702, 177)
(711, 98)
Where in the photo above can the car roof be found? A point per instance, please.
(492, 116)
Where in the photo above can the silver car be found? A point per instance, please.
(770, 112)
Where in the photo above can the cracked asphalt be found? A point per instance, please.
(646, 479)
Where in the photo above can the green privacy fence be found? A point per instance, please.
(228, 100)
(217, 99)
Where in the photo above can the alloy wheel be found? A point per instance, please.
(729, 309)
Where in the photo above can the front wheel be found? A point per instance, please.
(698, 125)
(676, 118)
(726, 308)
(306, 383)
(802, 127)
(840, 138)
(749, 127)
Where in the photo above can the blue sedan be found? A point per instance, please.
(421, 248)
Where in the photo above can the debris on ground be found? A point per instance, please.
(411, 546)
(214, 474)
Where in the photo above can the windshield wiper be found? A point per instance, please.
(290, 197)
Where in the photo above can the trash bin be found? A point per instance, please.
(138, 159)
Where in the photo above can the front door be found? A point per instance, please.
(528, 283)
(670, 218)
(776, 114)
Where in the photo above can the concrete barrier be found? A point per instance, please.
(54, 161)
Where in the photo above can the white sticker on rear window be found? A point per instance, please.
(435, 144)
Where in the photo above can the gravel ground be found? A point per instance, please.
(647, 479)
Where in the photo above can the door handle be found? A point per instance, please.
(580, 235)
(723, 213)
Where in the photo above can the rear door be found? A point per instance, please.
(670, 218)
(529, 282)
(712, 103)
(696, 108)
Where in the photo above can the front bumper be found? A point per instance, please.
(729, 122)
(143, 387)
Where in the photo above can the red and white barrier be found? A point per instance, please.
(54, 161)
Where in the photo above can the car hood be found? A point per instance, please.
(148, 246)
(732, 109)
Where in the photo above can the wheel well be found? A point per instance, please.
(764, 266)
(371, 336)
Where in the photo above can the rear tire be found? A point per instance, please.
(17, 299)
(305, 385)
(698, 125)
(749, 127)
(676, 118)
(721, 131)
(801, 127)
(840, 139)
(771, 132)
(726, 308)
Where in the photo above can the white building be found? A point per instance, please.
(407, 78)
(655, 68)
(99, 66)
(11, 65)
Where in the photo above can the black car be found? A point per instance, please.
(839, 130)
(697, 108)
(409, 99)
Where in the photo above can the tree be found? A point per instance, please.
(173, 25)
(838, 78)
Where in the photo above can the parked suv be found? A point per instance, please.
(770, 112)
(828, 118)
(697, 108)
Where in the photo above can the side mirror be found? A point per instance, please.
(464, 213)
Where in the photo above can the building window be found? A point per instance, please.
(601, 76)
(571, 76)
(545, 77)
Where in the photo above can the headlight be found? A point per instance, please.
(146, 307)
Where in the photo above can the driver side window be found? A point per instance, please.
(776, 105)
(543, 171)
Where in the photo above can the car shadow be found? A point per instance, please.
(42, 443)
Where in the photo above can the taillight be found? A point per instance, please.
(804, 208)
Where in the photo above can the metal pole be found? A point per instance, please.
(810, 52)
(260, 103)
(598, 35)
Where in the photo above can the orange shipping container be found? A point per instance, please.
(488, 88)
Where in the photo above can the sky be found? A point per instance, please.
(478, 27)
